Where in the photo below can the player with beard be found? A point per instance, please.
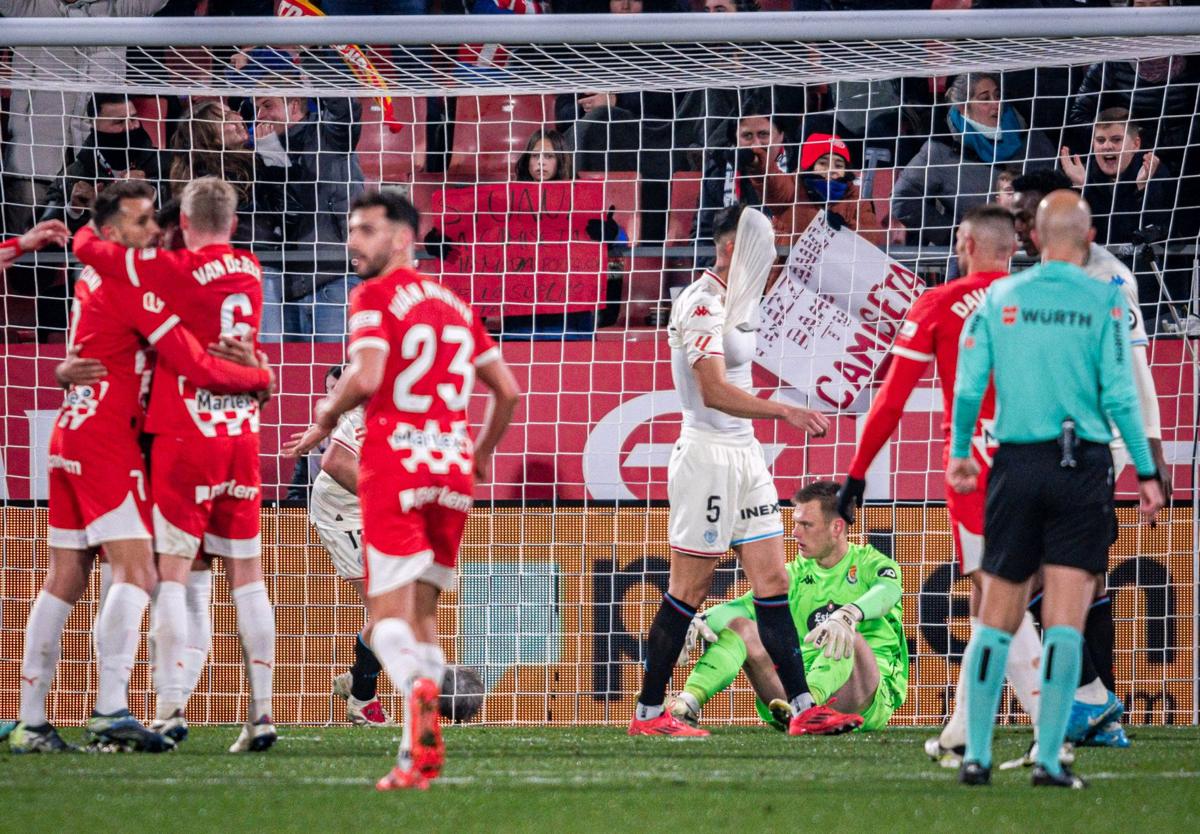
(415, 351)
(98, 484)
(204, 462)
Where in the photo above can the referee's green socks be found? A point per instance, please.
(1062, 648)
(985, 658)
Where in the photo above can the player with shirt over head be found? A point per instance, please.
(98, 484)
(720, 491)
(415, 350)
(846, 599)
(204, 460)
(984, 244)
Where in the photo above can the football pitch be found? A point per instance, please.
(501, 779)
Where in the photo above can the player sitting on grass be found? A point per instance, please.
(845, 597)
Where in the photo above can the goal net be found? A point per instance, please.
(567, 170)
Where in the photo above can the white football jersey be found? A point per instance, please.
(331, 505)
(697, 330)
(1107, 267)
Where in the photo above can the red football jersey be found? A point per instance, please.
(434, 342)
(929, 332)
(214, 290)
(116, 323)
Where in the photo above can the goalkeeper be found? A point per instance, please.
(845, 598)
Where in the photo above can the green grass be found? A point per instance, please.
(595, 779)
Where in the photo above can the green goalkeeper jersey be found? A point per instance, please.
(815, 592)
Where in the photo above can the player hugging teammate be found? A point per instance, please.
(132, 299)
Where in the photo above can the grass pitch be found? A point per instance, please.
(595, 779)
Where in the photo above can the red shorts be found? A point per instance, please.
(98, 489)
(412, 527)
(207, 491)
(966, 515)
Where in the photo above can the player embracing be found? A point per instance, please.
(415, 351)
(204, 461)
(720, 491)
(98, 484)
(984, 245)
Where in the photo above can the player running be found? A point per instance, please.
(984, 245)
(204, 460)
(720, 491)
(98, 485)
(845, 597)
(415, 351)
(1097, 711)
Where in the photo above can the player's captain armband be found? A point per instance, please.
(887, 573)
(364, 319)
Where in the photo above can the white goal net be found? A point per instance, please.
(567, 170)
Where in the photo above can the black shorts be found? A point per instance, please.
(1040, 513)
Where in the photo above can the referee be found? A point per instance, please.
(1056, 342)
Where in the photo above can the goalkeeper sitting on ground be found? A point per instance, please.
(845, 598)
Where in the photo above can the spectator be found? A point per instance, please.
(319, 173)
(214, 142)
(545, 158)
(738, 173)
(117, 148)
(339, 7)
(824, 183)
(46, 123)
(1002, 189)
(953, 172)
(1126, 187)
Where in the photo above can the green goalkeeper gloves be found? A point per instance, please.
(698, 629)
(836, 634)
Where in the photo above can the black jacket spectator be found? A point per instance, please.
(1119, 207)
(104, 157)
(1163, 98)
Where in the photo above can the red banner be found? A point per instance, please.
(522, 248)
(597, 421)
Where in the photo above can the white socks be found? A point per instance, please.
(118, 629)
(1024, 667)
(256, 630)
(1092, 693)
(43, 642)
(199, 629)
(168, 630)
(393, 642)
(1024, 675)
(433, 662)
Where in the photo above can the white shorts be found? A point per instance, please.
(721, 494)
(345, 550)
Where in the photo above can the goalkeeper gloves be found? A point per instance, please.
(849, 497)
(836, 634)
(697, 629)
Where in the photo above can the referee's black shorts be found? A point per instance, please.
(1039, 513)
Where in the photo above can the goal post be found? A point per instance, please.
(651, 124)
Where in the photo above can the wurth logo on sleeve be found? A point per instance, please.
(1008, 315)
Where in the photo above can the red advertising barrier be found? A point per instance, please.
(597, 421)
(521, 248)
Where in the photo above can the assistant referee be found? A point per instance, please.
(1056, 342)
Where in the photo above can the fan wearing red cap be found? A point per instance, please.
(824, 183)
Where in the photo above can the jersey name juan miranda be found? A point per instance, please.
(223, 297)
(434, 343)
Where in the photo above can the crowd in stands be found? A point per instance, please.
(898, 162)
